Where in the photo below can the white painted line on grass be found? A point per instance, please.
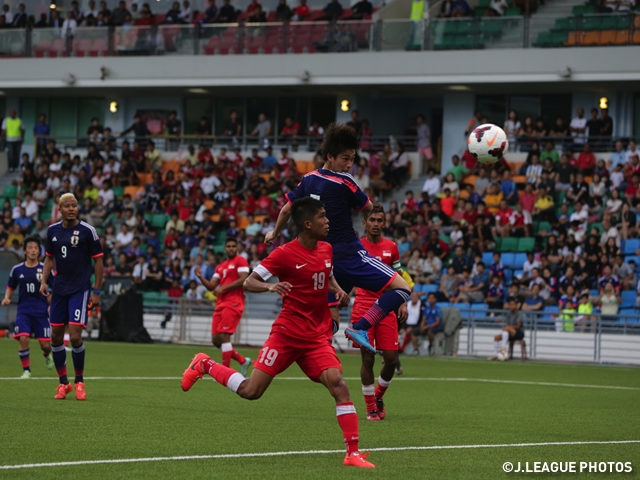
(307, 452)
(396, 379)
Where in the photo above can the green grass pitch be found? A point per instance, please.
(427, 406)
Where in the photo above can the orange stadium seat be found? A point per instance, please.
(608, 37)
(572, 39)
(520, 178)
(463, 194)
(636, 22)
(173, 165)
(132, 190)
(622, 37)
(243, 222)
(591, 38)
(145, 178)
(470, 180)
(208, 204)
(260, 218)
(636, 36)
(515, 166)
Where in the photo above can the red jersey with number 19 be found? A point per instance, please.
(305, 314)
(228, 272)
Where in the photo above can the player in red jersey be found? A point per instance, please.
(385, 333)
(227, 285)
(302, 331)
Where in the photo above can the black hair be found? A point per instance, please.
(305, 209)
(29, 239)
(338, 138)
(511, 299)
(232, 240)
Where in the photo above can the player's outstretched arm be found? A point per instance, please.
(283, 218)
(7, 297)
(341, 295)
(254, 283)
(48, 266)
(208, 284)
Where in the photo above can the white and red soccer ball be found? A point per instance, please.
(488, 143)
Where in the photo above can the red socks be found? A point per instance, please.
(237, 357)
(348, 421)
(228, 353)
(369, 397)
(405, 342)
(382, 387)
(223, 375)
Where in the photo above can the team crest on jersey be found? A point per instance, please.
(74, 240)
(327, 263)
(386, 253)
(75, 232)
(39, 274)
(317, 197)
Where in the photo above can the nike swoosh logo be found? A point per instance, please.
(490, 142)
(300, 266)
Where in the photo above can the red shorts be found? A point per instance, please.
(313, 358)
(383, 336)
(225, 319)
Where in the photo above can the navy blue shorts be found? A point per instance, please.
(71, 309)
(26, 324)
(361, 270)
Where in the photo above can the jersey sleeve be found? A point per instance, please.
(272, 265)
(359, 198)
(95, 248)
(298, 192)
(48, 249)
(242, 266)
(13, 281)
(395, 257)
(217, 272)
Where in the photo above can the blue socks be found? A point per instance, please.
(60, 361)
(388, 302)
(77, 354)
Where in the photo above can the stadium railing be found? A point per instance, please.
(166, 143)
(549, 334)
(509, 31)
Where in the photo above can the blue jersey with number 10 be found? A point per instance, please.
(28, 279)
(341, 195)
(74, 250)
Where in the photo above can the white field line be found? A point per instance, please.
(396, 379)
(307, 452)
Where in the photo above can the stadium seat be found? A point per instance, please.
(508, 259)
(10, 191)
(513, 12)
(590, 38)
(40, 49)
(429, 288)
(509, 244)
(508, 276)
(608, 22)
(519, 259)
(630, 246)
(608, 37)
(444, 304)
(159, 220)
(635, 259)
(572, 39)
(636, 37)
(628, 298)
(487, 258)
(622, 37)
(623, 22)
(579, 9)
(479, 306)
(118, 192)
(526, 244)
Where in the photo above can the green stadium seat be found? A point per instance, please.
(542, 226)
(591, 23)
(44, 215)
(479, 12)
(465, 27)
(218, 249)
(451, 27)
(513, 12)
(543, 40)
(526, 244)
(118, 192)
(579, 9)
(597, 226)
(558, 39)
(623, 22)
(160, 220)
(10, 191)
(491, 28)
(221, 237)
(609, 23)
(484, 3)
(589, 9)
(463, 42)
(509, 244)
(444, 43)
(562, 24)
(498, 246)
(143, 248)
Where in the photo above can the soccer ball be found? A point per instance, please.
(502, 356)
(488, 143)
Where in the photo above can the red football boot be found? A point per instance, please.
(382, 412)
(194, 372)
(358, 460)
(62, 391)
(80, 392)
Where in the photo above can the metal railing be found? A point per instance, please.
(537, 31)
(548, 335)
(166, 143)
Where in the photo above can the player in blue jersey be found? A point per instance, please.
(33, 315)
(352, 265)
(72, 244)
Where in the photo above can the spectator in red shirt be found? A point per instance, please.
(290, 131)
(253, 7)
(302, 11)
(586, 161)
(470, 214)
(631, 190)
(528, 198)
(520, 222)
(204, 155)
(447, 203)
(502, 219)
(237, 157)
(409, 201)
(256, 159)
(263, 203)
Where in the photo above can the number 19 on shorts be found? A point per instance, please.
(268, 356)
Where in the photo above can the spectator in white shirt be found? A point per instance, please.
(534, 171)
(362, 179)
(581, 214)
(30, 206)
(124, 237)
(8, 16)
(92, 10)
(210, 183)
(185, 13)
(432, 184)
(578, 128)
(107, 195)
(529, 265)
(68, 26)
(609, 232)
(512, 125)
